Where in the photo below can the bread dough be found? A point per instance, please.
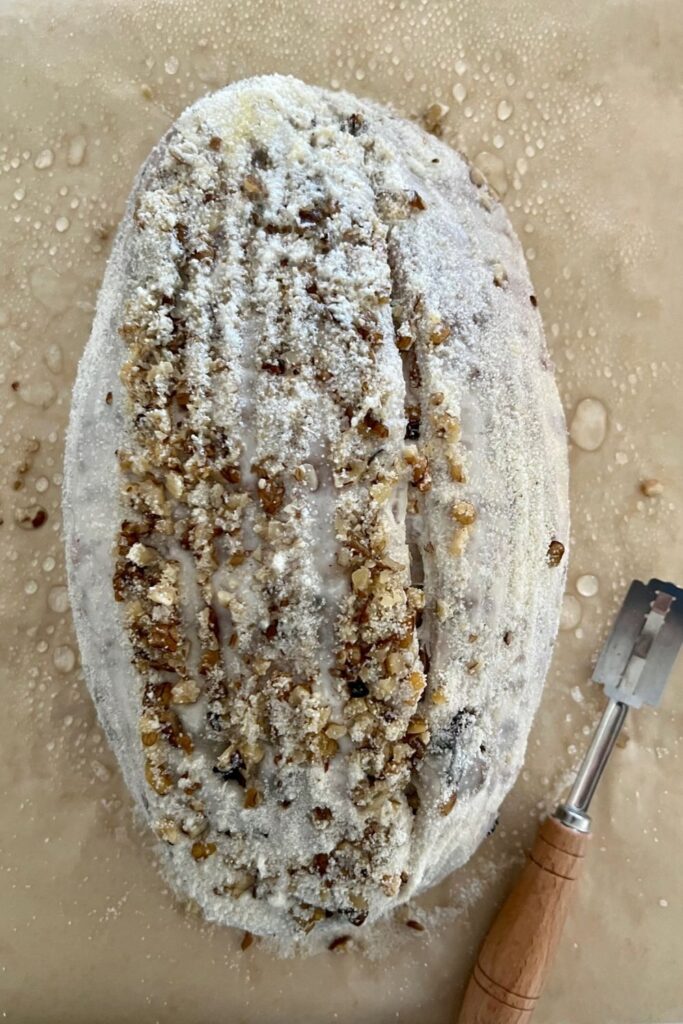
(318, 359)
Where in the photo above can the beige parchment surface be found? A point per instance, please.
(576, 108)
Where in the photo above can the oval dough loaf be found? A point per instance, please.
(315, 506)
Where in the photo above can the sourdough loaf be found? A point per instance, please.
(315, 506)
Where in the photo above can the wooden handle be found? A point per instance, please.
(517, 952)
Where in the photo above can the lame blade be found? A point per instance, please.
(640, 652)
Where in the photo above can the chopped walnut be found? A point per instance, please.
(555, 553)
(194, 824)
(327, 746)
(30, 518)
(405, 338)
(446, 425)
(439, 334)
(456, 469)
(500, 276)
(335, 730)
(361, 579)
(254, 187)
(271, 494)
(165, 591)
(306, 474)
(201, 850)
(384, 687)
(159, 778)
(417, 726)
(433, 118)
(394, 663)
(167, 829)
(252, 753)
(174, 485)
(391, 884)
(420, 476)
(449, 805)
(464, 513)
(141, 555)
(370, 424)
(652, 488)
(417, 681)
(185, 692)
(398, 205)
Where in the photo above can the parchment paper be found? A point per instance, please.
(577, 107)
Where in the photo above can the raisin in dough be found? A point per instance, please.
(316, 503)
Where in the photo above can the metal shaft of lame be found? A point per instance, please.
(574, 810)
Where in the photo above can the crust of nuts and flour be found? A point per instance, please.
(315, 507)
